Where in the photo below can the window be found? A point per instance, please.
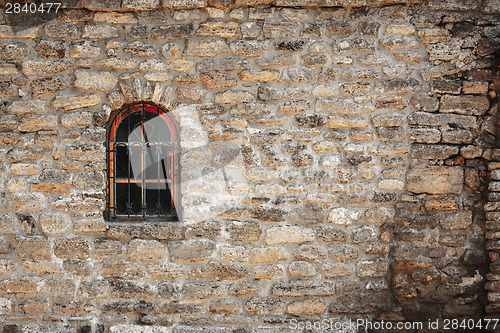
(143, 165)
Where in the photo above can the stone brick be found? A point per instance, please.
(145, 250)
(435, 180)
(243, 231)
(468, 105)
(48, 85)
(191, 251)
(139, 5)
(33, 248)
(217, 271)
(300, 288)
(373, 268)
(266, 255)
(34, 123)
(82, 48)
(218, 29)
(121, 268)
(59, 30)
(51, 49)
(205, 47)
(279, 30)
(85, 152)
(264, 306)
(179, 30)
(13, 51)
(94, 81)
(264, 76)
(55, 223)
(21, 107)
(37, 67)
(183, 4)
(77, 120)
(74, 102)
(306, 308)
(288, 235)
(191, 95)
(29, 202)
(194, 290)
(232, 97)
(72, 248)
(24, 285)
(434, 35)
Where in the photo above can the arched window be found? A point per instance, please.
(143, 164)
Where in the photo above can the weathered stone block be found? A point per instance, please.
(82, 48)
(191, 251)
(218, 29)
(435, 180)
(300, 288)
(243, 231)
(94, 81)
(208, 47)
(48, 85)
(200, 290)
(264, 306)
(72, 248)
(145, 250)
(288, 235)
(29, 202)
(35, 122)
(33, 248)
(39, 67)
(13, 51)
(468, 105)
(55, 223)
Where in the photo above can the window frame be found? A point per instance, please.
(173, 179)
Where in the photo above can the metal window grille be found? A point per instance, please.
(143, 165)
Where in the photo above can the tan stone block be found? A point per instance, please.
(89, 225)
(391, 185)
(264, 76)
(23, 285)
(24, 169)
(24, 106)
(232, 97)
(269, 272)
(306, 308)
(207, 48)
(266, 255)
(399, 29)
(52, 187)
(36, 122)
(218, 29)
(230, 253)
(41, 268)
(71, 248)
(29, 203)
(114, 18)
(14, 185)
(340, 122)
(73, 102)
(41, 67)
(169, 271)
(469, 105)
(435, 180)
(94, 81)
(288, 235)
(475, 87)
(55, 223)
(434, 35)
(145, 250)
(34, 305)
(442, 204)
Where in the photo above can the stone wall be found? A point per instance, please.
(337, 158)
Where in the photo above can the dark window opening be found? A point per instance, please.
(143, 165)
